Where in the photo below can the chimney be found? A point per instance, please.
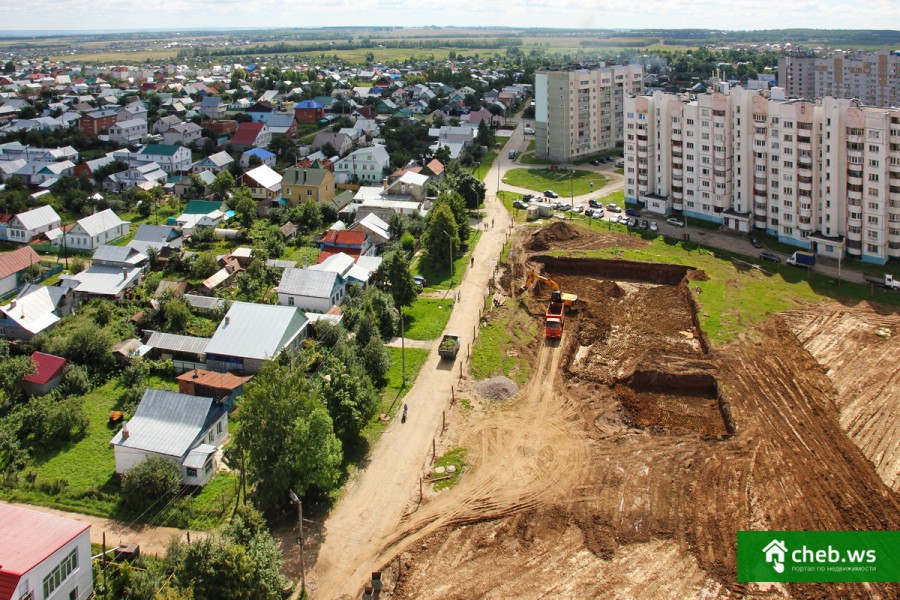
(125, 433)
(124, 273)
(196, 374)
(227, 321)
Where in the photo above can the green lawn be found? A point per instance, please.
(564, 182)
(455, 457)
(485, 165)
(507, 199)
(393, 392)
(427, 317)
(532, 146)
(531, 159)
(500, 140)
(512, 330)
(438, 276)
(735, 297)
(298, 253)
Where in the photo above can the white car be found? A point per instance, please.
(598, 213)
(653, 226)
(674, 222)
(579, 209)
(529, 130)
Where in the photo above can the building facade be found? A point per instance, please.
(578, 111)
(822, 176)
(873, 78)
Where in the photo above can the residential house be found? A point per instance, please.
(35, 309)
(108, 255)
(96, 123)
(340, 142)
(184, 429)
(103, 282)
(100, 228)
(353, 243)
(185, 351)
(311, 290)
(261, 112)
(456, 138)
(365, 164)
(163, 239)
(410, 186)
(358, 271)
(216, 163)
(250, 135)
(89, 168)
(25, 226)
(308, 185)
(166, 123)
(434, 169)
(184, 134)
(171, 159)
(128, 133)
(265, 187)
(212, 107)
(309, 111)
(145, 176)
(200, 213)
(223, 387)
(282, 125)
(44, 556)
(48, 373)
(183, 185)
(251, 334)
(265, 158)
(14, 268)
(132, 111)
(375, 227)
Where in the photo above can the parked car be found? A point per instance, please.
(528, 130)
(579, 209)
(608, 159)
(520, 204)
(674, 222)
(769, 256)
(654, 226)
(550, 194)
(644, 224)
(632, 222)
(620, 164)
(755, 243)
(632, 212)
(613, 208)
(589, 212)
(594, 203)
(527, 197)
(595, 162)
(598, 213)
(419, 281)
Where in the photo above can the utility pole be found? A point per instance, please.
(296, 500)
(402, 347)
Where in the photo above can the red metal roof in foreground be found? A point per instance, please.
(27, 538)
(48, 367)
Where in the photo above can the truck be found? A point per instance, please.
(553, 323)
(885, 281)
(449, 347)
(807, 260)
(556, 295)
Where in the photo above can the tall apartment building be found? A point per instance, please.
(873, 78)
(578, 111)
(822, 176)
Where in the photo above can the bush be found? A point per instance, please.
(76, 380)
(78, 265)
(153, 479)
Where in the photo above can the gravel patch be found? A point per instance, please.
(496, 388)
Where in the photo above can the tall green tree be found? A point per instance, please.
(441, 235)
(287, 436)
(395, 271)
(349, 395)
(223, 184)
(244, 206)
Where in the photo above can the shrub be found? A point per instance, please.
(152, 479)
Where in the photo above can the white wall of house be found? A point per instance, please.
(306, 303)
(77, 239)
(79, 579)
(7, 284)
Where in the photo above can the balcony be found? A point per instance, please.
(854, 195)
(855, 154)
(643, 189)
(807, 187)
(806, 213)
(676, 137)
(759, 189)
(760, 161)
(759, 137)
(759, 222)
(851, 222)
(854, 181)
(676, 172)
(677, 195)
(857, 236)
(760, 210)
(894, 196)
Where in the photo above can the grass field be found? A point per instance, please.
(485, 165)
(427, 317)
(393, 391)
(515, 330)
(438, 276)
(563, 182)
(531, 159)
(456, 458)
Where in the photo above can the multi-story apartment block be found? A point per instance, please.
(578, 111)
(822, 176)
(873, 78)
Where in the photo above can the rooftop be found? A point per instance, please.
(37, 535)
(258, 331)
(47, 366)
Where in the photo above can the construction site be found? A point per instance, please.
(637, 450)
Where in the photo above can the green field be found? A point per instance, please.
(427, 317)
(509, 330)
(563, 182)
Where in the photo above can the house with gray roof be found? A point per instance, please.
(251, 334)
(99, 228)
(103, 281)
(25, 226)
(36, 308)
(216, 163)
(187, 430)
(311, 290)
(161, 238)
(118, 256)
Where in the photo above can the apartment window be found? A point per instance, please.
(873, 192)
(211, 436)
(871, 249)
(873, 163)
(788, 138)
(690, 121)
(873, 176)
(872, 235)
(60, 573)
(872, 220)
(873, 148)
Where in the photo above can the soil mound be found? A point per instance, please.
(554, 233)
(496, 388)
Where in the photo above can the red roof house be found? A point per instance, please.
(249, 135)
(47, 375)
(353, 243)
(41, 553)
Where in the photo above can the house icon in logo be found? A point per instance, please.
(775, 552)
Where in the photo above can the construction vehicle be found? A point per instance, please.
(553, 323)
(557, 296)
(449, 347)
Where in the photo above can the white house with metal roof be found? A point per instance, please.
(311, 290)
(25, 226)
(184, 429)
(172, 159)
(216, 163)
(251, 334)
(109, 282)
(100, 228)
(366, 164)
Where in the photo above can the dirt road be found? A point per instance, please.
(347, 549)
(153, 540)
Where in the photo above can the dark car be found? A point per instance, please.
(594, 203)
(520, 204)
(632, 212)
(755, 242)
(609, 159)
(769, 256)
(419, 280)
(644, 224)
(527, 197)
(595, 162)
(550, 194)
(632, 222)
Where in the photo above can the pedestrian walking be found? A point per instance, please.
(459, 295)
(492, 223)
(473, 261)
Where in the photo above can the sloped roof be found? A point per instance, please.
(47, 366)
(257, 331)
(168, 422)
(265, 176)
(354, 238)
(37, 535)
(202, 207)
(196, 458)
(17, 260)
(247, 133)
(118, 254)
(34, 308)
(376, 225)
(312, 283)
(154, 233)
(99, 222)
(310, 177)
(38, 217)
(177, 343)
(220, 159)
(160, 149)
(339, 263)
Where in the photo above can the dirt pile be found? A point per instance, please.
(496, 388)
(550, 236)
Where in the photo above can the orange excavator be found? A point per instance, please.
(568, 300)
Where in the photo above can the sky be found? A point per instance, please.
(197, 14)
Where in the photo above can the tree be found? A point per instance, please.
(395, 271)
(349, 396)
(152, 479)
(204, 265)
(244, 206)
(375, 359)
(223, 184)
(442, 155)
(287, 436)
(174, 313)
(440, 236)
(12, 371)
(9, 67)
(198, 188)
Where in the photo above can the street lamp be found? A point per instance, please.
(572, 185)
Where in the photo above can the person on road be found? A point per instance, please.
(403, 420)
